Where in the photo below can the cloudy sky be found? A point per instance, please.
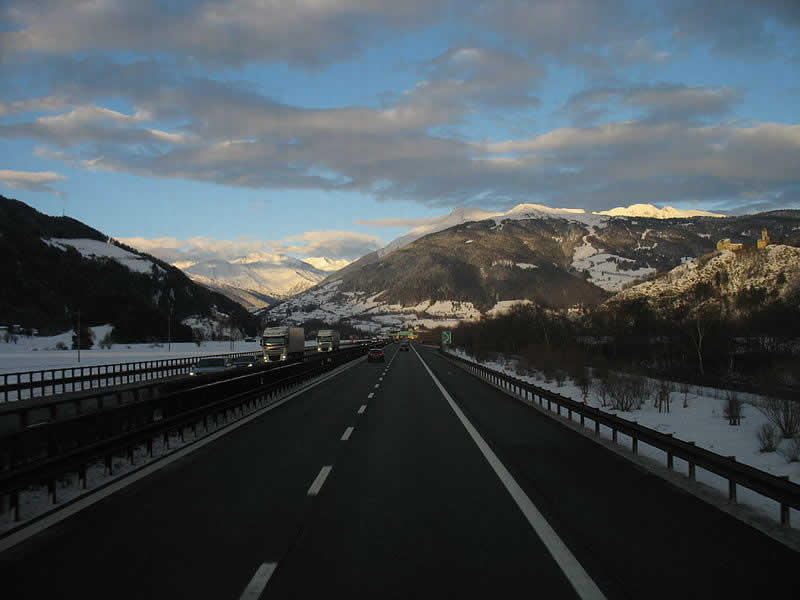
(325, 127)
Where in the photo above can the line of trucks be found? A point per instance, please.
(289, 343)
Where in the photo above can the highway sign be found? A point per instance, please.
(447, 337)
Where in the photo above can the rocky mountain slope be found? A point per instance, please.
(560, 258)
(730, 283)
(53, 267)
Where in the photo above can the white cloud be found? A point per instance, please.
(35, 181)
(323, 247)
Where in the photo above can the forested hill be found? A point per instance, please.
(53, 267)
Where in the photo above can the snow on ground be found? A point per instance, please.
(98, 249)
(702, 422)
(604, 268)
(653, 212)
(38, 353)
(505, 306)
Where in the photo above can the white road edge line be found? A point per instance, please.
(316, 486)
(258, 582)
(585, 587)
(347, 433)
(362, 409)
(78, 505)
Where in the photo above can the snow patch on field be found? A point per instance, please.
(604, 268)
(505, 306)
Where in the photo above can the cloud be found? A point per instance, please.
(34, 181)
(324, 247)
(397, 222)
(332, 244)
(306, 32)
(657, 102)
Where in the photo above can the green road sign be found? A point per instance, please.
(447, 337)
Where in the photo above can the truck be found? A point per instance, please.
(283, 343)
(327, 340)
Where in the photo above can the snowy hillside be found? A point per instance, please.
(773, 272)
(97, 249)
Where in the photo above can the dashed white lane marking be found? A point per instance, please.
(320, 480)
(362, 409)
(113, 487)
(377, 385)
(258, 582)
(347, 433)
(371, 394)
(572, 569)
(380, 378)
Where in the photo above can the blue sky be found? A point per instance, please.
(293, 126)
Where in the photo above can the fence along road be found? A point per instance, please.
(404, 505)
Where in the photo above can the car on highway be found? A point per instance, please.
(246, 361)
(376, 354)
(209, 365)
(404, 347)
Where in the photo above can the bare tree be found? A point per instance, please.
(783, 413)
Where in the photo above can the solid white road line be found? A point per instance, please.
(320, 480)
(371, 394)
(362, 409)
(126, 480)
(572, 569)
(347, 433)
(258, 582)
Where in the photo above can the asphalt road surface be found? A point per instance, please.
(371, 485)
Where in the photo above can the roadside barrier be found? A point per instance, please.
(779, 489)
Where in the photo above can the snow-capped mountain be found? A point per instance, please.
(456, 217)
(258, 278)
(57, 267)
(651, 212)
(554, 257)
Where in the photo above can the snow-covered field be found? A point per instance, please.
(702, 422)
(37, 353)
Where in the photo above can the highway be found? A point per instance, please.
(399, 480)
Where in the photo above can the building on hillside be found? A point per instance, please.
(726, 244)
(764, 241)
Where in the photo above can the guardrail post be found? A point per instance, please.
(109, 467)
(51, 491)
(15, 508)
(150, 447)
(634, 444)
(597, 428)
(82, 479)
(691, 467)
(614, 435)
(583, 424)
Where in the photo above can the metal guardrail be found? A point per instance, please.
(75, 379)
(41, 455)
(779, 489)
(49, 382)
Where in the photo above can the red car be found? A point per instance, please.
(376, 354)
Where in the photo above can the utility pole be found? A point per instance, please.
(169, 329)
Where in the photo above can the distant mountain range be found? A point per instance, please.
(559, 258)
(258, 279)
(54, 267)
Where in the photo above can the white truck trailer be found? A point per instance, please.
(327, 340)
(283, 343)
